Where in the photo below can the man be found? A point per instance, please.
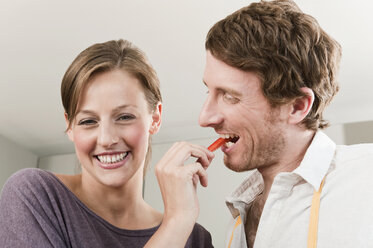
(270, 72)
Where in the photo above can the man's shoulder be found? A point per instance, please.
(355, 153)
(353, 162)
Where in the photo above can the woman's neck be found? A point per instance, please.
(121, 206)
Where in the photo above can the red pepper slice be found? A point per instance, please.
(217, 143)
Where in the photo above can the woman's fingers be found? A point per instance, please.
(180, 152)
(198, 173)
(178, 178)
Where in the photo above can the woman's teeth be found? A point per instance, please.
(110, 159)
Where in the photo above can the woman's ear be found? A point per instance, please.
(68, 129)
(301, 106)
(156, 119)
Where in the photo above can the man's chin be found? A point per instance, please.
(237, 167)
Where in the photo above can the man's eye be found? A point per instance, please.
(87, 122)
(230, 99)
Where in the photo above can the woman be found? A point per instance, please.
(112, 104)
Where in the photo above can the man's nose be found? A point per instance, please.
(210, 115)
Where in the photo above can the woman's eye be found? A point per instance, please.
(125, 117)
(87, 122)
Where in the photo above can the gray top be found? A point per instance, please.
(38, 210)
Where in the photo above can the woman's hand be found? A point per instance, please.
(178, 180)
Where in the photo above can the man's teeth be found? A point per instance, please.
(228, 136)
(229, 144)
(232, 138)
(110, 159)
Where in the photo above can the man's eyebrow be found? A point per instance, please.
(230, 91)
(227, 90)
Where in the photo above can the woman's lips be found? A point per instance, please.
(112, 161)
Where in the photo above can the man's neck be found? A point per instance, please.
(292, 157)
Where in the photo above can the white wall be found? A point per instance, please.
(337, 133)
(60, 164)
(360, 132)
(13, 158)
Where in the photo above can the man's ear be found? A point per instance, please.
(300, 107)
(156, 119)
(68, 129)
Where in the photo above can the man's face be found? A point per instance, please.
(236, 106)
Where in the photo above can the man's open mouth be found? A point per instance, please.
(232, 138)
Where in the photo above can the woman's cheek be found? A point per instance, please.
(84, 142)
(137, 137)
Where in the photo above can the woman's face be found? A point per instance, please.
(112, 127)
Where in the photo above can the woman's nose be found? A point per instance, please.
(107, 135)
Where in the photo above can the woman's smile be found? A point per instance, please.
(112, 160)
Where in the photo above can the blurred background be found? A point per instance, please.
(40, 38)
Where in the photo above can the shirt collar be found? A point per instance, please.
(313, 168)
(247, 191)
(317, 160)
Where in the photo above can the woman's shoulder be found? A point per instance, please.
(32, 183)
(30, 172)
(31, 202)
(30, 177)
(199, 237)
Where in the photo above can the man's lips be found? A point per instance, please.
(225, 139)
(230, 138)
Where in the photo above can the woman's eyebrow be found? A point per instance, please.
(116, 109)
(124, 106)
(86, 111)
